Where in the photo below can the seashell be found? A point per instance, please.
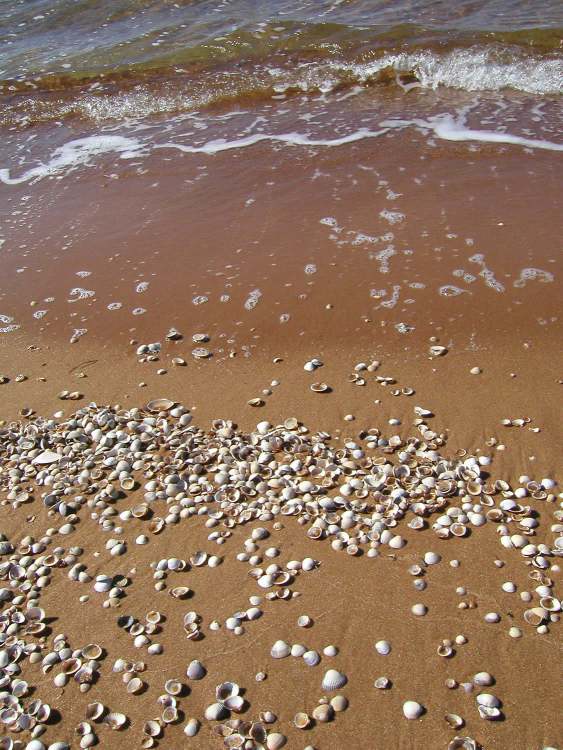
(160, 404)
(550, 603)
(483, 679)
(419, 610)
(170, 715)
(180, 592)
(463, 743)
(535, 616)
(488, 700)
(383, 647)
(70, 666)
(135, 685)
(382, 683)
(339, 703)
(200, 352)
(412, 710)
(196, 670)
(198, 559)
(280, 650)
(489, 712)
(444, 649)
(319, 387)
(304, 621)
(323, 713)
(88, 740)
(275, 741)
(432, 558)
(458, 529)
(94, 711)
(226, 690)
(454, 721)
(92, 651)
(191, 728)
(216, 712)
(152, 728)
(173, 687)
(311, 658)
(234, 703)
(333, 680)
(298, 650)
(302, 720)
(115, 720)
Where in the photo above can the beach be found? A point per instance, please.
(280, 377)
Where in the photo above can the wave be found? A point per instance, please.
(472, 70)
(81, 152)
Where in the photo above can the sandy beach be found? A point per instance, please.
(280, 386)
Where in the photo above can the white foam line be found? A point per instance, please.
(296, 139)
(448, 129)
(73, 154)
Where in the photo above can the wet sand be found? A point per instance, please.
(190, 237)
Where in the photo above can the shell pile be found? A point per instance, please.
(364, 496)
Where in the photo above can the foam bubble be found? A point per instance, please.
(200, 299)
(532, 274)
(449, 290)
(80, 293)
(310, 268)
(393, 217)
(253, 299)
(141, 287)
(7, 324)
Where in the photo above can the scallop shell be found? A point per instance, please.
(196, 670)
(160, 404)
(333, 680)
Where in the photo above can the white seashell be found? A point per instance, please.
(311, 658)
(412, 710)
(275, 741)
(432, 558)
(339, 703)
(383, 647)
(330, 650)
(483, 679)
(191, 728)
(196, 670)
(280, 650)
(115, 720)
(298, 649)
(382, 683)
(419, 610)
(487, 699)
(60, 680)
(226, 690)
(94, 710)
(302, 720)
(323, 713)
(216, 712)
(333, 680)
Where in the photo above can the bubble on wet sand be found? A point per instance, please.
(200, 299)
(141, 287)
(252, 299)
(449, 290)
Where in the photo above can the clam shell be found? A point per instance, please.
(383, 647)
(92, 651)
(333, 680)
(216, 712)
(339, 703)
(191, 728)
(115, 720)
(323, 713)
(454, 721)
(160, 404)
(152, 728)
(275, 741)
(319, 387)
(311, 658)
(462, 743)
(280, 650)
(196, 670)
(412, 710)
(173, 687)
(226, 690)
(302, 720)
(382, 683)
